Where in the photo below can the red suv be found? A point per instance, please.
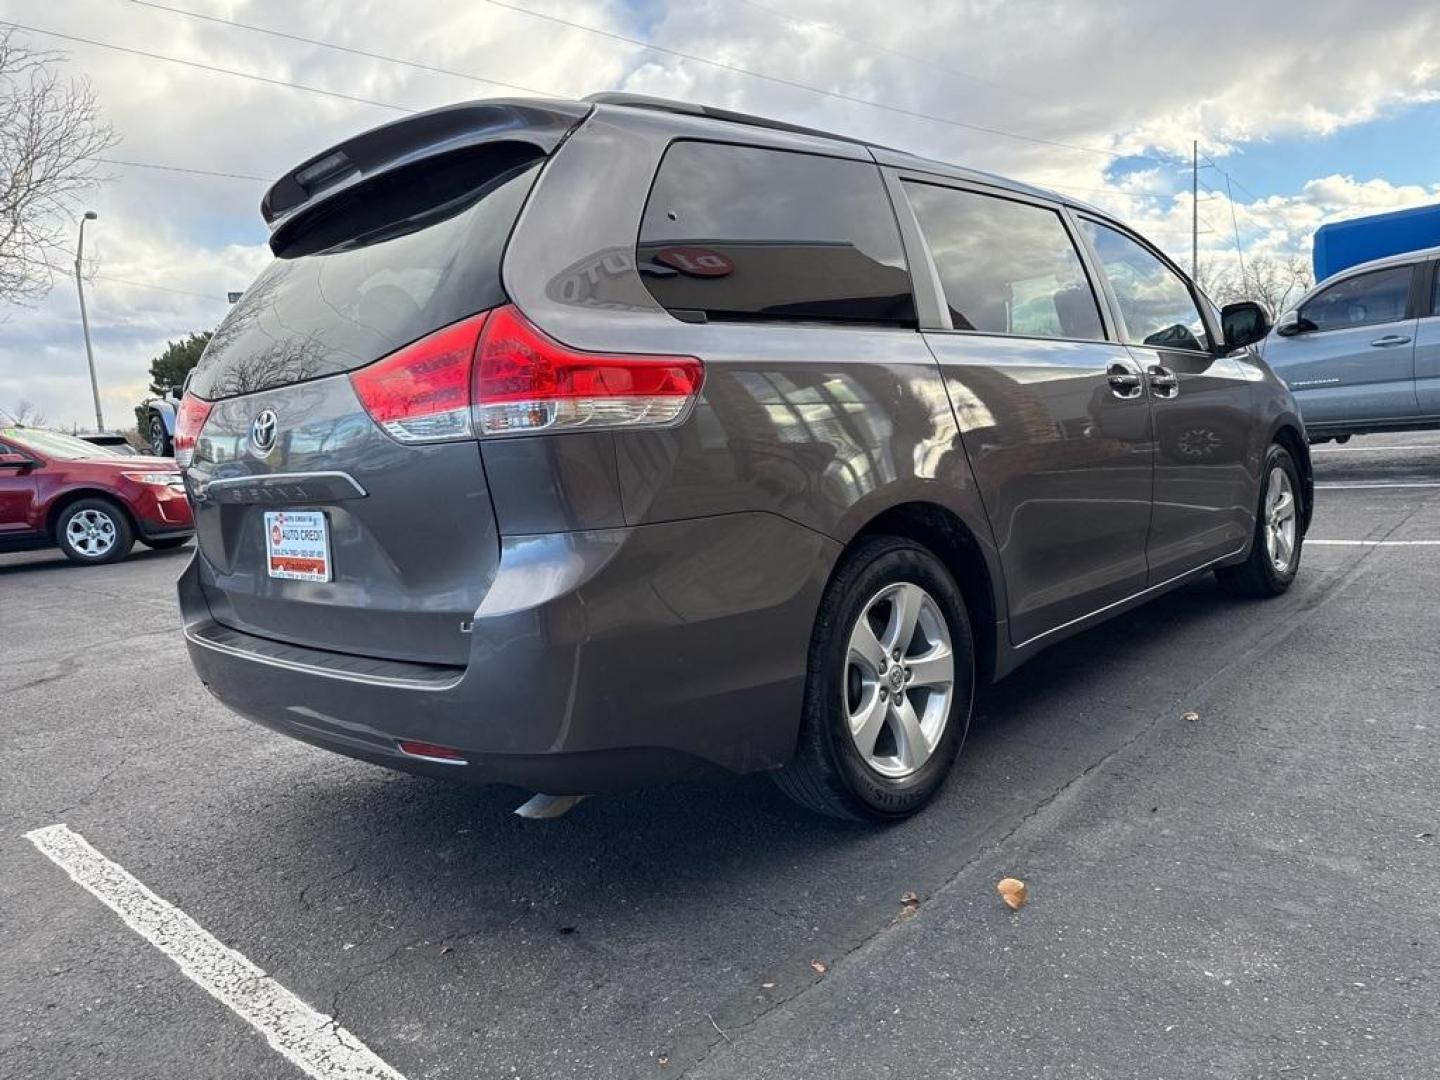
(90, 502)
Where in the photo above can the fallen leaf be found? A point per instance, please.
(1013, 892)
(664, 1060)
(447, 948)
(820, 966)
(1191, 716)
(910, 899)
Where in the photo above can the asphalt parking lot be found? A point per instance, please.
(1252, 893)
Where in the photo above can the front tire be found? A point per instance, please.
(1279, 535)
(889, 687)
(94, 531)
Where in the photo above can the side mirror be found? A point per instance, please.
(1244, 324)
(15, 461)
(1291, 323)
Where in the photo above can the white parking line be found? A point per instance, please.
(1372, 543)
(1362, 487)
(1370, 449)
(309, 1039)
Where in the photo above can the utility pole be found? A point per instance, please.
(1194, 209)
(90, 215)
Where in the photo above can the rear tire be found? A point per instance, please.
(904, 711)
(1272, 563)
(94, 531)
(160, 442)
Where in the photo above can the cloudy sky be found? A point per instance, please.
(1316, 110)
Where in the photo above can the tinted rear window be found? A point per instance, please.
(742, 233)
(384, 265)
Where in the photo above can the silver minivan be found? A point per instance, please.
(581, 445)
(1361, 350)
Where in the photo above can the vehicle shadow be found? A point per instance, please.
(1058, 711)
(415, 906)
(49, 560)
(692, 892)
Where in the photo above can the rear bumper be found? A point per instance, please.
(599, 660)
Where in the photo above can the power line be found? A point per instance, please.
(208, 67)
(1254, 209)
(1001, 132)
(69, 271)
(722, 65)
(795, 20)
(1117, 192)
(477, 78)
(182, 169)
(236, 23)
(1235, 224)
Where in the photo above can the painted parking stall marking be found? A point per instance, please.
(1370, 485)
(304, 1036)
(1372, 543)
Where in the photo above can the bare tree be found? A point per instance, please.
(50, 133)
(24, 414)
(1216, 282)
(1276, 280)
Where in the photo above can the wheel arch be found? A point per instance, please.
(1292, 438)
(943, 532)
(68, 498)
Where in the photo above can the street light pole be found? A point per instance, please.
(90, 215)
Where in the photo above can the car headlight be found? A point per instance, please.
(157, 479)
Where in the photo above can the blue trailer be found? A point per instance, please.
(1346, 243)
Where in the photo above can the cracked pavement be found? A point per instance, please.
(1251, 894)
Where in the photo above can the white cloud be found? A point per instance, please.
(1138, 77)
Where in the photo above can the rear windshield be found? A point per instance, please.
(386, 264)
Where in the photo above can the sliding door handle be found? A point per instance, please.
(1125, 382)
(1163, 382)
(1390, 341)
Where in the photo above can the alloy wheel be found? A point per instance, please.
(1280, 520)
(91, 533)
(899, 680)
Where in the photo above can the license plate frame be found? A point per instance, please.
(297, 546)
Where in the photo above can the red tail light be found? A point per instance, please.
(526, 382)
(190, 418)
(422, 393)
(497, 374)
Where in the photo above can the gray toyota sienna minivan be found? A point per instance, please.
(582, 445)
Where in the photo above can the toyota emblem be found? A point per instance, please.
(262, 431)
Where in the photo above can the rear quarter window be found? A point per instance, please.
(738, 232)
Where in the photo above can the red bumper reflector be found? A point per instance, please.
(432, 752)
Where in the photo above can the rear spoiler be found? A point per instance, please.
(544, 124)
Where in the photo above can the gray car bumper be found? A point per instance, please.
(598, 660)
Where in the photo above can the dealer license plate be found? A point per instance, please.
(297, 545)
